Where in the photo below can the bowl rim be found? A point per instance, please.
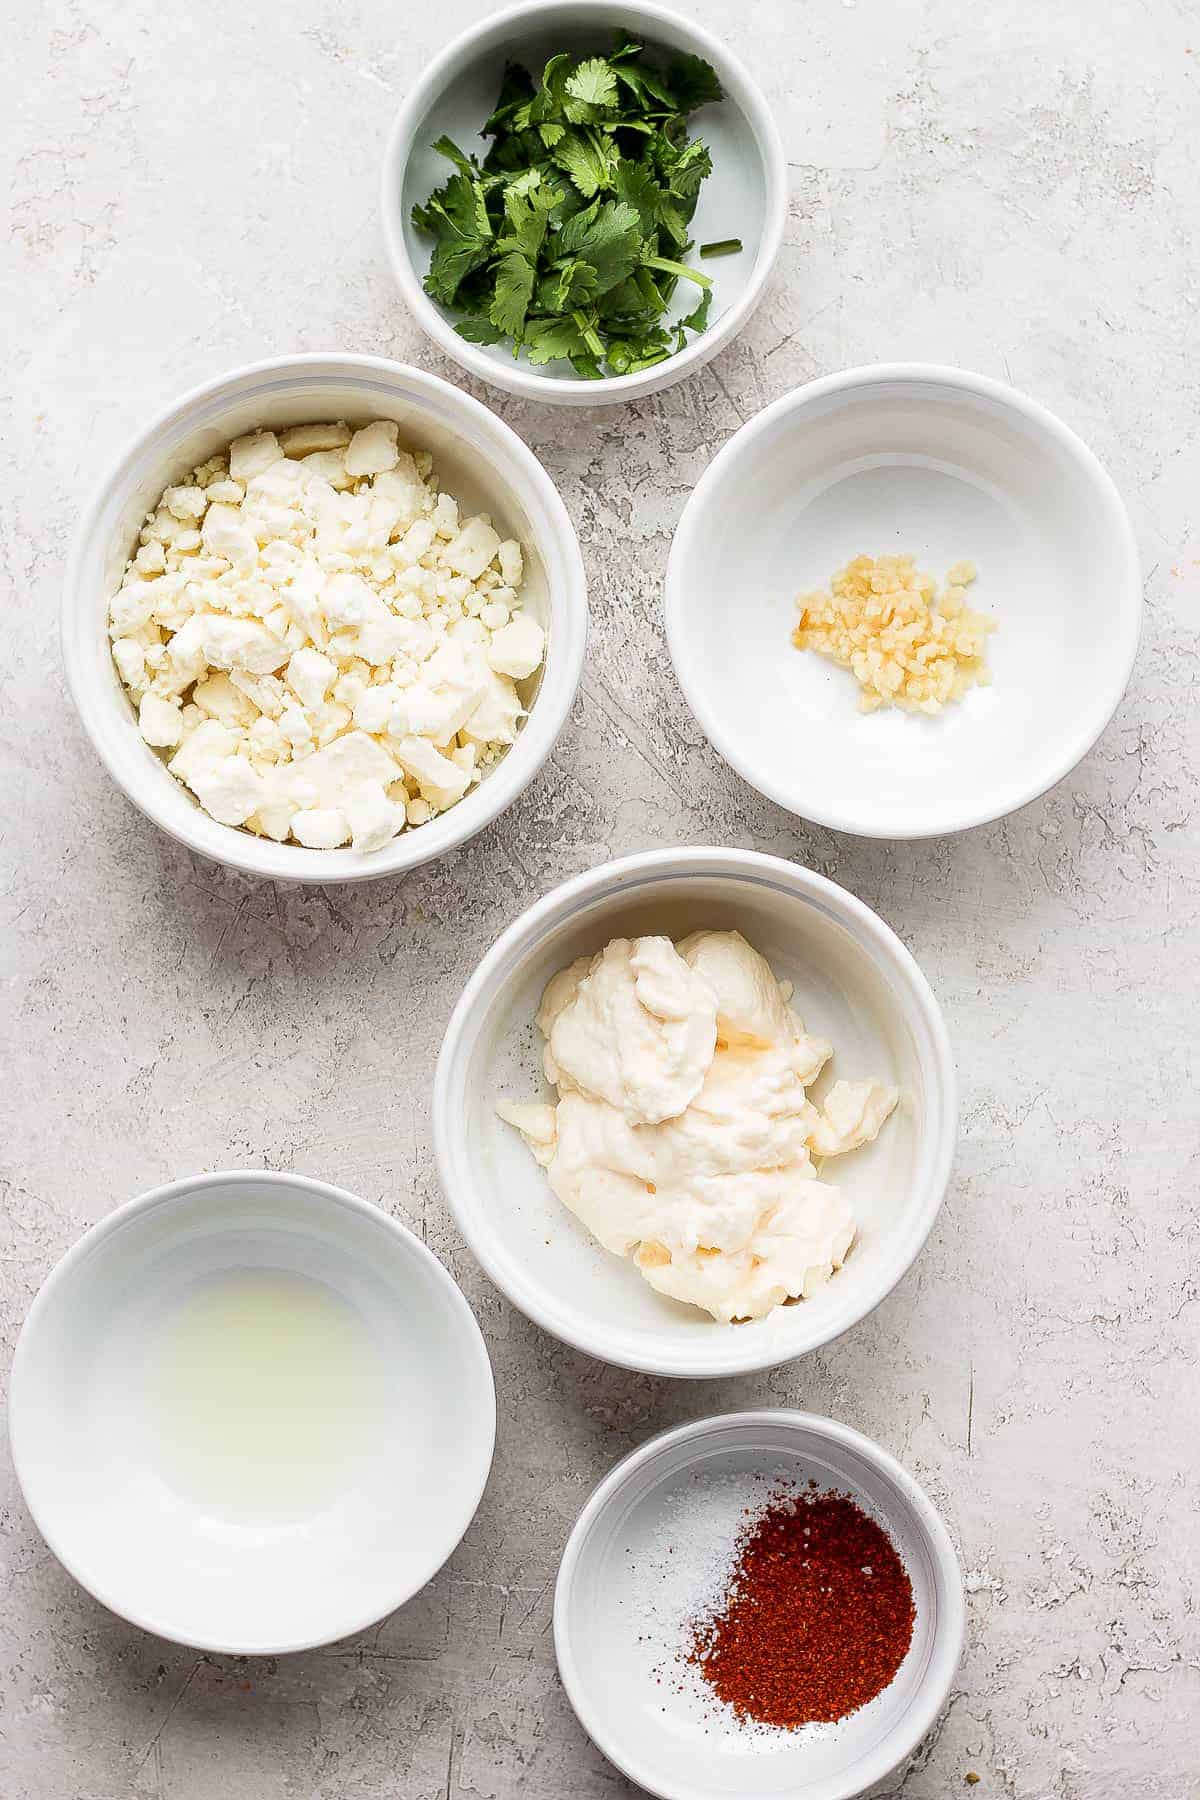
(537, 737)
(468, 1331)
(574, 390)
(623, 875)
(948, 1642)
(1128, 581)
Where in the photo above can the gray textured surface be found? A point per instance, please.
(194, 187)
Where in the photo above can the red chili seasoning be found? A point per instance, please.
(817, 1617)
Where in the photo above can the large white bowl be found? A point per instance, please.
(745, 196)
(855, 984)
(616, 1590)
(483, 463)
(204, 1556)
(947, 465)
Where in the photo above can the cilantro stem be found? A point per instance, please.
(722, 247)
(589, 334)
(677, 268)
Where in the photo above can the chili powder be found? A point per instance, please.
(816, 1619)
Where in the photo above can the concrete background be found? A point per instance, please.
(1013, 189)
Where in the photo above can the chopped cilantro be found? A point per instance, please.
(570, 237)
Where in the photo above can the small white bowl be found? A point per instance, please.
(621, 1599)
(112, 1440)
(478, 458)
(945, 465)
(855, 984)
(745, 196)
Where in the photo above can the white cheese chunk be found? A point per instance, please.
(250, 456)
(517, 648)
(373, 449)
(320, 827)
(160, 723)
(440, 780)
(311, 675)
(374, 820)
(470, 552)
(302, 440)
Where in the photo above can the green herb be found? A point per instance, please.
(571, 236)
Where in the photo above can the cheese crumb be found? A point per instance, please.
(906, 645)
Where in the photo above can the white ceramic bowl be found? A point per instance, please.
(745, 196)
(947, 465)
(383, 1369)
(477, 457)
(620, 1600)
(855, 984)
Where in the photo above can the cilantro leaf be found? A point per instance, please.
(479, 331)
(554, 340)
(610, 242)
(527, 212)
(457, 217)
(516, 90)
(594, 83)
(693, 83)
(445, 146)
(697, 319)
(634, 183)
(589, 161)
(514, 288)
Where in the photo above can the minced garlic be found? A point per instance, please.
(905, 644)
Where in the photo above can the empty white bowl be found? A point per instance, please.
(476, 456)
(236, 1500)
(745, 196)
(855, 984)
(633, 1570)
(948, 466)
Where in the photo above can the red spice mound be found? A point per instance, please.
(817, 1617)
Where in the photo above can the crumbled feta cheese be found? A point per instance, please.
(517, 648)
(150, 559)
(373, 449)
(231, 493)
(223, 534)
(159, 722)
(441, 781)
(240, 644)
(326, 655)
(445, 516)
(230, 789)
(374, 820)
(185, 502)
(130, 659)
(249, 456)
(320, 827)
(302, 440)
(311, 675)
(470, 552)
(218, 697)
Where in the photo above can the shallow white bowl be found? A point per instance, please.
(946, 465)
(117, 1497)
(476, 456)
(617, 1592)
(745, 196)
(855, 984)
